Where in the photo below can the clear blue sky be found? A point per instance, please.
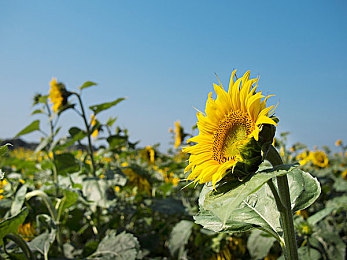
(163, 56)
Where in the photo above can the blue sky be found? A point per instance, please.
(163, 56)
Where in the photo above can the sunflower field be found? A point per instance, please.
(91, 193)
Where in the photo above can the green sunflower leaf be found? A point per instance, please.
(33, 126)
(87, 84)
(251, 204)
(121, 246)
(18, 200)
(11, 224)
(66, 163)
(4, 149)
(179, 238)
(101, 107)
(259, 244)
(304, 189)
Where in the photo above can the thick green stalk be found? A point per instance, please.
(55, 174)
(287, 222)
(21, 243)
(52, 212)
(90, 147)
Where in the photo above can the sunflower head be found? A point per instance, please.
(319, 158)
(230, 131)
(58, 94)
(178, 134)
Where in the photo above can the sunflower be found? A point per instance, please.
(319, 158)
(57, 94)
(178, 134)
(93, 122)
(229, 123)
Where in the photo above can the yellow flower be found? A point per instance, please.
(178, 134)
(303, 213)
(344, 174)
(150, 154)
(137, 180)
(57, 94)
(303, 158)
(230, 122)
(93, 123)
(338, 142)
(124, 164)
(319, 158)
(27, 231)
(233, 249)
(3, 183)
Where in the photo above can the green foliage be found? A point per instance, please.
(108, 198)
(87, 84)
(123, 246)
(4, 149)
(33, 126)
(250, 204)
(101, 107)
(10, 225)
(179, 238)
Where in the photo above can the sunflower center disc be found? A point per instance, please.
(231, 135)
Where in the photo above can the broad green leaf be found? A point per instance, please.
(259, 244)
(11, 224)
(252, 204)
(69, 199)
(101, 107)
(338, 202)
(340, 185)
(318, 216)
(4, 149)
(306, 253)
(211, 222)
(18, 200)
(223, 205)
(66, 163)
(179, 237)
(96, 190)
(124, 246)
(304, 189)
(77, 133)
(117, 141)
(44, 241)
(87, 84)
(33, 126)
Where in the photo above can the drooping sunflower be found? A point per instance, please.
(178, 134)
(229, 123)
(57, 94)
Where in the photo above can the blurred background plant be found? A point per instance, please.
(94, 194)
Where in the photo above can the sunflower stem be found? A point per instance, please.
(52, 136)
(284, 207)
(90, 147)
